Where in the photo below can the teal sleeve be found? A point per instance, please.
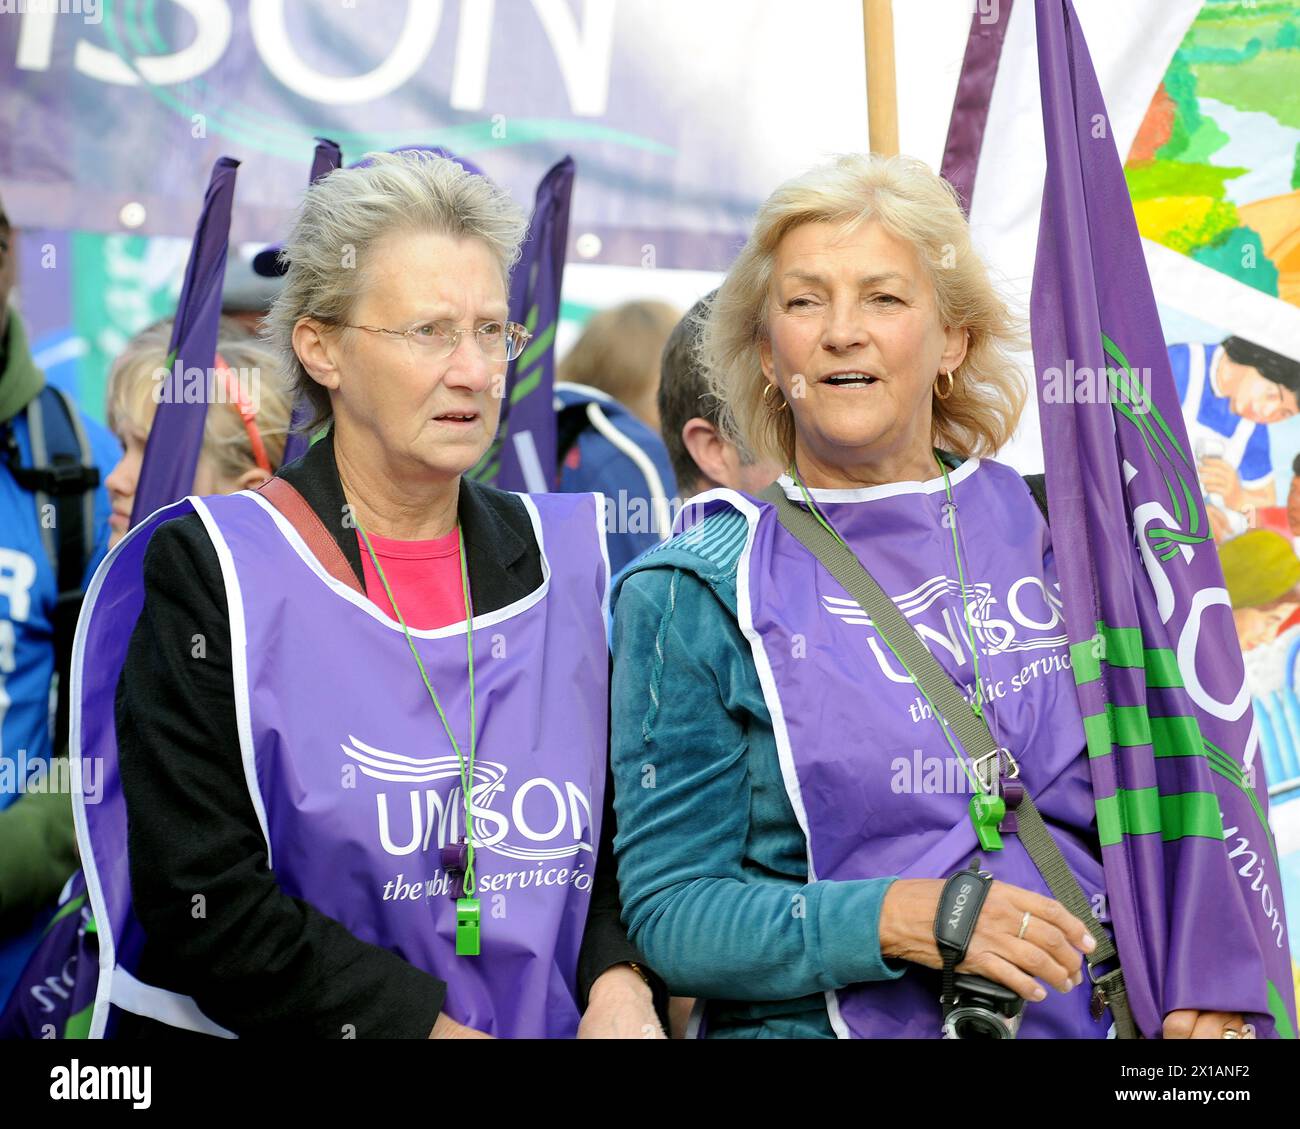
(710, 921)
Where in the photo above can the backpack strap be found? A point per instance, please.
(62, 475)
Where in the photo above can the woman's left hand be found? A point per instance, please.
(1188, 1024)
(620, 1006)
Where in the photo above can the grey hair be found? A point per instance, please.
(345, 213)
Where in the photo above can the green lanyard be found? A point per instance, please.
(467, 907)
(986, 812)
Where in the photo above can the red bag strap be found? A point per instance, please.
(311, 529)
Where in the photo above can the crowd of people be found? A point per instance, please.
(383, 751)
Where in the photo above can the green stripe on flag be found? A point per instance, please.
(1123, 647)
(528, 383)
(537, 347)
(71, 907)
(1277, 1008)
(1119, 725)
(78, 1026)
(1096, 731)
(1162, 668)
(1084, 662)
(1143, 811)
(1177, 736)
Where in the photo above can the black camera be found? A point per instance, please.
(973, 1007)
(983, 1010)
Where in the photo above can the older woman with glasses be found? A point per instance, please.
(796, 794)
(357, 752)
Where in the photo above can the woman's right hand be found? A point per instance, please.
(1051, 949)
(444, 1027)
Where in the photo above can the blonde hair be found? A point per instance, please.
(619, 350)
(133, 383)
(345, 213)
(912, 203)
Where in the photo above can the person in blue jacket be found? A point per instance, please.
(607, 425)
(53, 533)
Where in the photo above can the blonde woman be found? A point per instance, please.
(789, 807)
(247, 422)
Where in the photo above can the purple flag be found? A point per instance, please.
(56, 993)
(1192, 879)
(176, 438)
(327, 158)
(970, 105)
(522, 456)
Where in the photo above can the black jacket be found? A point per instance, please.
(218, 927)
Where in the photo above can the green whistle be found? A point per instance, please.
(986, 812)
(467, 937)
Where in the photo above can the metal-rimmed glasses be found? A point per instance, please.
(497, 340)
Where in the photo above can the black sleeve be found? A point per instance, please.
(605, 942)
(218, 927)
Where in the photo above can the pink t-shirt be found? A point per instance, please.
(424, 577)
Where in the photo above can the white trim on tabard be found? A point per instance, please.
(105, 990)
(171, 1008)
(239, 667)
(771, 695)
(658, 495)
(602, 513)
(368, 606)
(874, 493)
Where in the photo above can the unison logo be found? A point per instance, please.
(538, 820)
(1027, 617)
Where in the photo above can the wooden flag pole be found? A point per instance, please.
(882, 88)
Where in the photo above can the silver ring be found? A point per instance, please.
(1230, 1033)
(1024, 926)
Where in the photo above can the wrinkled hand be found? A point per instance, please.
(1051, 949)
(1189, 1024)
(620, 1006)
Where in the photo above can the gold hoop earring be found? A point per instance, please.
(775, 411)
(951, 381)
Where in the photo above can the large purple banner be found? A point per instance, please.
(1182, 804)
(114, 109)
